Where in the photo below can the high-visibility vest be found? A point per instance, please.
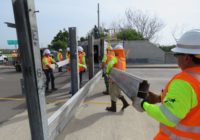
(68, 56)
(189, 127)
(109, 57)
(46, 60)
(80, 61)
(121, 59)
(59, 56)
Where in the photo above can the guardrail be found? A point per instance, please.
(129, 84)
(60, 64)
(65, 113)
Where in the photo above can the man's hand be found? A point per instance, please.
(137, 104)
(85, 67)
(153, 98)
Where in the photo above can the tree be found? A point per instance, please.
(145, 24)
(59, 44)
(129, 34)
(60, 41)
(167, 48)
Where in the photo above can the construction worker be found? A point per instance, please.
(68, 53)
(119, 62)
(47, 60)
(81, 63)
(59, 58)
(106, 58)
(179, 111)
(14, 57)
(68, 58)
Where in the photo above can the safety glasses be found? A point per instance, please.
(178, 54)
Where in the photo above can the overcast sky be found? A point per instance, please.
(177, 15)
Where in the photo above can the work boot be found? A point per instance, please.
(125, 103)
(105, 93)
(112, 108)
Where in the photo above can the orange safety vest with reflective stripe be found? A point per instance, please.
(121, 59)
(189, 127)
(59, 56)
(68, 56)
(109, 56)
(46, 60)
(80, 61)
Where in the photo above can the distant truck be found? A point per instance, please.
(3, 59)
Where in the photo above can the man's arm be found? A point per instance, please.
(178, 102)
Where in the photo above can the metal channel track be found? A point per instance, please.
(129, 84)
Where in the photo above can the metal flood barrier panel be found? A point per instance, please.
(129, 84)
(66, 112)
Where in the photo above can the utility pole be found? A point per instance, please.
(98, 16)
(27, 33)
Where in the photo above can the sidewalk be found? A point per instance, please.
(92, 122)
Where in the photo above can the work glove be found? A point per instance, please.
(138, 103)
(85, 67)
(153, 98)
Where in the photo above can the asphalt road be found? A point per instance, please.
(13, 102)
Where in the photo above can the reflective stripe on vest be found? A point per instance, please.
(169, 115)
(193, 131)
(80, 59)
(171, 135)
(109, 57)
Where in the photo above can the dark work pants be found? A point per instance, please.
(106, 82)
(49, 77)
(80, 77)
(60, 69)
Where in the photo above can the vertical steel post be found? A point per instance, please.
(91, 56)
(98, 16)
(74, 60)
(102, 48)
(25, 19)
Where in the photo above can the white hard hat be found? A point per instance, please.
(68, 49)
(118, 46)
(189, 43)
(60, 50)
(80, 49)
(46, 51)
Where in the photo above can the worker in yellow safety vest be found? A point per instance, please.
(106, 58)
(68, 58)
(59, 58)
(119, 62)
(179, 111)
(47, 60)
(81, 63)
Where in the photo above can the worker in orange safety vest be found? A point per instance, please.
(119, 62)
(179, 111)
(59, 58)
(106, 58)
(81, 63)
(47, 60)
(68, 58)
